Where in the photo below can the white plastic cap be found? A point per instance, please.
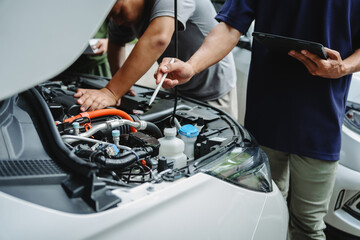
(76, 125)
(115, 133)
(170, 132)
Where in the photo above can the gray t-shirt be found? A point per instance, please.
(195, 20)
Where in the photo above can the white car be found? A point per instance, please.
(100, 174)
(343, 219)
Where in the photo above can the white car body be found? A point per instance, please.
(39, 40)
(200, 207)
(347, 184)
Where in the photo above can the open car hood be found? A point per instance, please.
(40, 39)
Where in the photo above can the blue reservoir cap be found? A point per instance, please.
(189, 130)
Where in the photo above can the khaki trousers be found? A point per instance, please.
(227, 103)
(307, 184)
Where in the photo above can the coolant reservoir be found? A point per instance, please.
(172, 148)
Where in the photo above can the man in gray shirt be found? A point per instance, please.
(152, 22)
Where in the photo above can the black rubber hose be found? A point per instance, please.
(124, 160)
(152, 128)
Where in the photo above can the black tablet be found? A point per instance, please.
(285, 44)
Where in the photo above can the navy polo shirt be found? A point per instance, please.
(287, 108)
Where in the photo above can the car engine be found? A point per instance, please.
(89, 153)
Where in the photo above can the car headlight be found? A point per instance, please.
(246, 167)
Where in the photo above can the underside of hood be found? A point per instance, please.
(41, 38)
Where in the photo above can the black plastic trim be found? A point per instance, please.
(56, 146)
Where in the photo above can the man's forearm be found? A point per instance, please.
(220, 41)
(138, 62)
(146, 51)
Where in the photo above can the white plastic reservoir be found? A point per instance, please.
(172, 148)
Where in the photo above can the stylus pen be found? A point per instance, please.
(159, 85)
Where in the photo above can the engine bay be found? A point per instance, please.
(97, 151)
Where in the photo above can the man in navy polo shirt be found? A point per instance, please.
(295, 101)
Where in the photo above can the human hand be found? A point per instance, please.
(131, 92)
(333, 67)
(101, 46)
(91, 99)
(178, 72)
